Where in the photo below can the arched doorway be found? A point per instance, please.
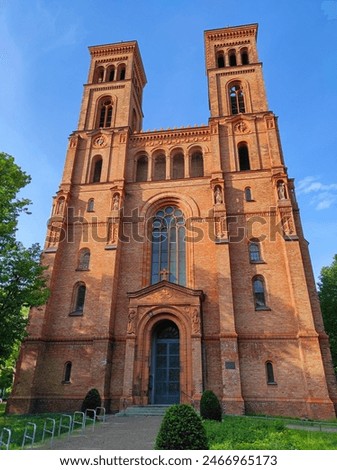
(164, 387)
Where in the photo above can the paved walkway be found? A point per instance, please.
(117, 433)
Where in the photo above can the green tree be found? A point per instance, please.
(327, 291)
(21, 276)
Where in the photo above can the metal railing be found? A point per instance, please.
(67, 424)
(29, 434)
(3, 442)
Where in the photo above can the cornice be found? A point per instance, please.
(168, 286)
(74, 340)
(231, 33)
(115, 48)
(108, 60)
(94, 87)
(236, 71)
(232, 43)
(171, 135)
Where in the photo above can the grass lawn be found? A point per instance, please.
(252, 433)
(17, 424)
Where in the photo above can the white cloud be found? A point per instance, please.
(323, 196)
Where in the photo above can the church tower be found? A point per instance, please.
(176, 258)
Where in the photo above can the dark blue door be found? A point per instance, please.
(166, 364)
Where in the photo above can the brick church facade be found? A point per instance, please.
(176, 258)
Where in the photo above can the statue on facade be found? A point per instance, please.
(218, 195)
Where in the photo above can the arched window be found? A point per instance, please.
(98, 75)
(197, 165)
(237, 99)
(121, 72)
(259, 293)
(220, 59)
(244, 57)
(248, 194)
(110, 74)
(159, 172)
(84, 259)
(270, 373)
(141, 171)
(91, 205)
(244, 163)
(168, 260)
(97, 170)
(105, 113)
(67, 372)
(254, 252)
(79, 298)
(178, 168)
(232, 57)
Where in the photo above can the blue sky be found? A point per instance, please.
(44, 63)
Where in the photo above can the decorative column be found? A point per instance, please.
(127, 396)
(197, 382)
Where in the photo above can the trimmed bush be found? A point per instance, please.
(92, 400)
(181, 429)
(210, 407)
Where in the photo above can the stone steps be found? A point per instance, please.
(145, 410)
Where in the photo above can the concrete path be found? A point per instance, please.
(117, 433)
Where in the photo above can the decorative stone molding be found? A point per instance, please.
(99, 142)
(132, 320)
(170, 138)
(242, 128)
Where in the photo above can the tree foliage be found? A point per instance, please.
(181, 429)
(210, 406)
(327, 291)
(21, 276)
(92, 400)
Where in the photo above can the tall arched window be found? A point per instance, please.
(259, 293)
(142, 168)
(197, 165)
(159, 171)
(244, 163)
(79, 298)
(168, 246)
(98, 75)
(67, 372)
(237, 99)
(110, 74)
(105, 113)
(220, 59)
(121, 72)
(270, 373)
(84, 259)
(244, 57)
(232, 57)
(178, 167)
(97, 170)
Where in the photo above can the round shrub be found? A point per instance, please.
(92, 400)
(181, 429)
(210, 407)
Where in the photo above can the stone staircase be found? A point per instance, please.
(145, 410)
